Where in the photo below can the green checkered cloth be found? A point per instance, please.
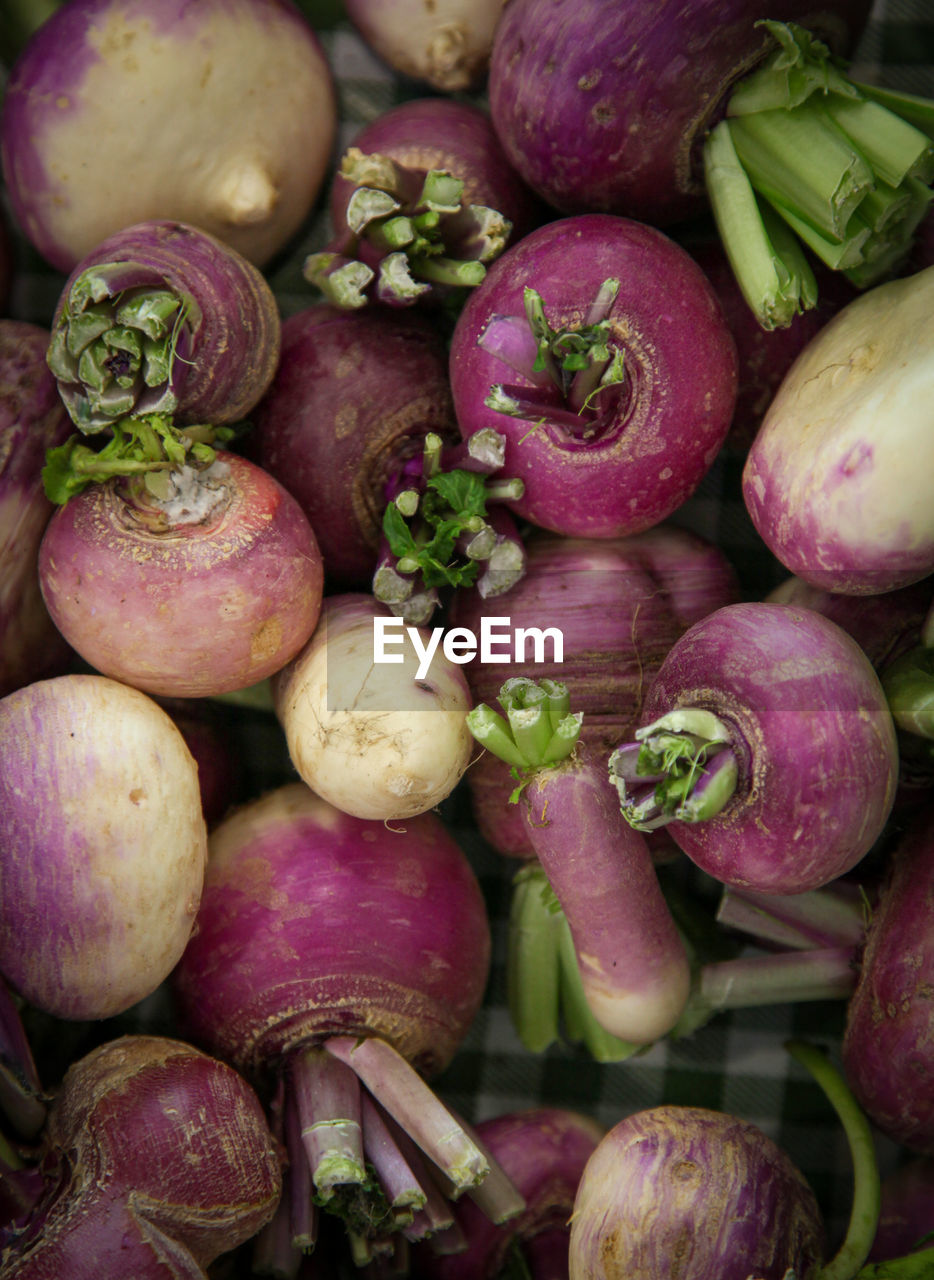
(735, 1063)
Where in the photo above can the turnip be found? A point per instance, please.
(420, 203)
(632, 965)
(209, 587)
(354, 396)
(157, 1159)
(103, 845)
(378, 741)
(446, 45)
(32, 420)
(575, 347)
(835, 481)
(766, 748)
(163, 318)
(544, 1151)
(221, 115)
(887, 1043)
(704, 1195)
(347, 958)
(906, 1219)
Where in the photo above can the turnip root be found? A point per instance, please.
(102, 845)
(158, 1159)
(446, 44)
(208, 588)
(836, 479)
(220, 114)
(378, 741)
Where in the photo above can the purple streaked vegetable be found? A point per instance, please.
(704, 1195)
(575, 348)
(620, 605)
(207, 587)
(355, 394)
(421, 201)
(591, 127)
(766, 748)
(347, 959)
(32, 420)
(438, 531)
(103, 845)
(381, 736)
(544, 1151)
(906, 1219)
(446, 45)
(835, 915)
(243, 83)
(633, 970)
(834, 481)
(163, 318)
(157, 1160)
(887, 1052)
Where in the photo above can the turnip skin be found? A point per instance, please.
(103, 845)
(603, 106)
(665, 429)
(158, 1159)
(315, 923)
(888, 1044)
(185, 606)
(354, 396)
(836, 480)
(32, 419)
(228, 346)
(446, 45)
(813, 739)
(230, 104)
(378, 742)
(698, 1194)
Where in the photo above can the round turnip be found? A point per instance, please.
(102, 845)
(446, 44)
(220, 114)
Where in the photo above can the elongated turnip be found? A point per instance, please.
(103, 845)
(835, 481)
(157, 1160)
(766, 748)
(231, 106)
(163, 318)
(32, 420)
(373, 713)
(210, 587)
(330, 951)
(576, 348)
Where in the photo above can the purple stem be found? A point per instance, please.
(510, 339)
(327, 1098)
(832, 916)
(824, 973)
(303, 1213)
(395, 1175)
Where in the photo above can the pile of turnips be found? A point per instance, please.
(309, 414)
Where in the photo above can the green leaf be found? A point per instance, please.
(397, 532)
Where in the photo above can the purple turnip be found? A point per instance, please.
(157, 1159)
(835, 480)
(544, 1151)
(355, 394)
(163, 318)
(210, 587)
(766, 748)
(906, 1220)
(330, 951)
(576, 347)
(103, 845)
(221, 115)
(374, 726)
(32, 420)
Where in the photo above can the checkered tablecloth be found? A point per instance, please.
(735, 1063)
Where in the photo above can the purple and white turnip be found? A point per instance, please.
(574, 347)
(157, 1159)
(103, 845)
(207, 588)
(222, 115)
(766, 748)
(348, 958)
